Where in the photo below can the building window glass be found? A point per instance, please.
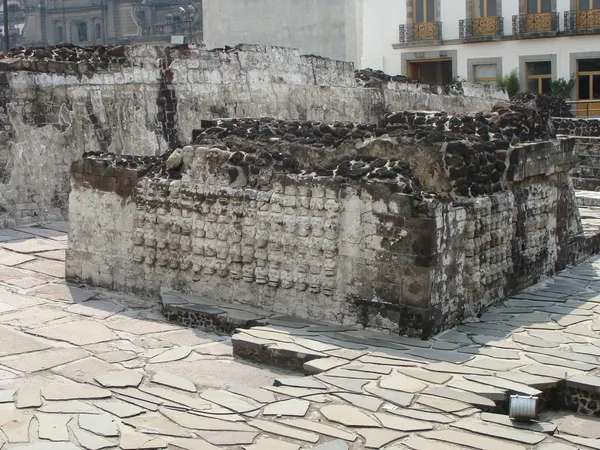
(588, 77)
(539, 75)
(59, 34)
(539, 6)
(424, 11)
(82, 32)
(486, 74)
(98, 31)
(588, 4)
(485, 8)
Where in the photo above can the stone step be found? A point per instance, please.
(588, 198)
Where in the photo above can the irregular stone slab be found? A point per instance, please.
(191, 444)
(82, 332)
(48, 446)
(545, 371)
(378, 369)
(348, 416)
(390, 362)
(138, 326)
(320, 428)
(138, 402)
(229, 438)
(25, 282)
(14, 342)
(175, 354)
(62, 293)
(33, 245)
(73, 391)
(534, 381)
(441, 355)
(7, 395)
(130, 440)
(493, 393)
(293, 407)
(155, 423)
(69, 407)
(543, 359)
(349, 353)
(174, 381)
(29, 397)
(258, 395)
(501, 419)
(396, 422)
(454, 336)
(494, 364)
(471, 440)
(394, 397)
(425, 375)
(35, 317)
(51, 233)
(418, 443)
(492, 341)
(571, 356)
(271, 444)
(565, 321)
(13, 259)
(45, 266)
(55, 255)
(311, 394)
(421, 415)
(585, 382)
(116, 356)
(226, 400)
(555, 446)
(497, 431)
(300, 382)
(455, 369)
(284, 431)
(361, 401)
(582, 329)
(346, 384)
(198, 422)
(120, 379)
(402, 383)
(491, 352)
(91, 441)
(582, 426)
(461, 396)
(100, 424)
(99, 309)
(120, 409)
(592, 443)
(442, 404)
(341, 372)
(377, 438)
(586, 349)
(333, 445)
(173, 397)
(322, 364)
(53, 427)
(84, 370)
(504, 384)
(15, 425)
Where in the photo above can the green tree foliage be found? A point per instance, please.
(562, 88)
(510, 82)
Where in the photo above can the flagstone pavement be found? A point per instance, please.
(89, 368)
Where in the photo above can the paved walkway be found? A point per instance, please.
(88, 368)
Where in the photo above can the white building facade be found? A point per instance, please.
(434, 41)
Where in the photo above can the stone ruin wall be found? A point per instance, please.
(373, 250)
(57, 103)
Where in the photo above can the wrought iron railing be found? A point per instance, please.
(484, 26)
(169, 29)
(535, 23)
(425, 31)
(582, 20)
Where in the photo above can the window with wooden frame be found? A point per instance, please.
(485, 8)
(539, 75)
(539, 6)
(585, 5)
(486, 74)
(423, 11)
(588, 78)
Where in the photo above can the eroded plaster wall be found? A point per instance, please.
(349, 252)
(144, 100)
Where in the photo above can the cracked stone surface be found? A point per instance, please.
(89, 368)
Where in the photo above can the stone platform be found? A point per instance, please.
(92, 368)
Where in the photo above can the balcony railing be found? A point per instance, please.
(582, 21)
(585, 108)
(484, 26)
(535, 23)
(169, 29)
(426, 31)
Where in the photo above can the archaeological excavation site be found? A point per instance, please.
(401, 259)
